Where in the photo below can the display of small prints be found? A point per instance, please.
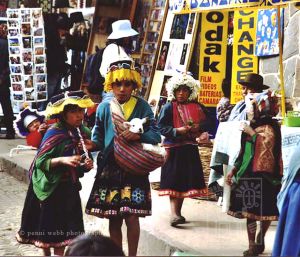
(74, 3)
(46, 5)
(27, 59)
(3, 4)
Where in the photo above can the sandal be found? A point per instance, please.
(260, 244)
(250, 252)
(177, 220)
(182, 218)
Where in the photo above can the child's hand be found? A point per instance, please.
(88, 163)
(72, 161)
(183, 130)
(129, 136)
(90, 145)
(42, 128)
(195, 128)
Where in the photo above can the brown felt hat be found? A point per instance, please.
(254, 80)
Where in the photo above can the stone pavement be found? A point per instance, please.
(12, 195)
(208, 231)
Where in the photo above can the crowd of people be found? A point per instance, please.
(52, 215)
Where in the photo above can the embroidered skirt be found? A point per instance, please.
(117, 193)
(254, 197)
(53, 222)
(182, 174)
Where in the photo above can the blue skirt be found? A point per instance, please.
(287, 240)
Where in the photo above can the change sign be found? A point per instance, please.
(243, 59)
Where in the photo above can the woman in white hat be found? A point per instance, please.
(183, 122)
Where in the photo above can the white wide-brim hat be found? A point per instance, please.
(121, 29)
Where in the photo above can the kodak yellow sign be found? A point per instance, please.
(243, 59)
(212, 62)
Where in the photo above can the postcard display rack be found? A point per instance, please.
(27, 59)
(174, 55)
(152, 40)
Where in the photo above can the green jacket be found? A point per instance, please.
(57, 142)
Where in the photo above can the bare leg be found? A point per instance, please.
(59, 251)
(264, 226)
(260, 239)
(251, 230)
(133, 234)
(176, 205)
(115, 225)
(46, 251)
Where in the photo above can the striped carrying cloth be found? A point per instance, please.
(130, 155)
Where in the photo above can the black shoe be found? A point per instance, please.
(177, 220)
(10, 136)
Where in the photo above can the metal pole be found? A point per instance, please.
(283, 111)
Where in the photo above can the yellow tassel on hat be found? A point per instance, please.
(121, 75)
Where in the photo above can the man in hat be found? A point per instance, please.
(61, 4)
(119, 44)
(253, 83)
(119, 47)
(5, 84)
(57, 26)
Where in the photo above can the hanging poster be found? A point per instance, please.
(179, 26)
(267, 42)
(243, 59)
(163, 56)
(27, 59)
(212, 62)
(174, 55)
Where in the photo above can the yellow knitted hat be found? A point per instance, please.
(121, 71)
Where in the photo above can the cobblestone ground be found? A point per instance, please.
(12, 196)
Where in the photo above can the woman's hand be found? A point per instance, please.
(247, 129)
(88, 163)
(203, 138)
(229, 176)
(130, 136)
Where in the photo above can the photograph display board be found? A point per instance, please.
(152, 38)
(27, 59)
(267, 42)
(174, 55)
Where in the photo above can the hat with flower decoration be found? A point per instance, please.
(183, 79)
